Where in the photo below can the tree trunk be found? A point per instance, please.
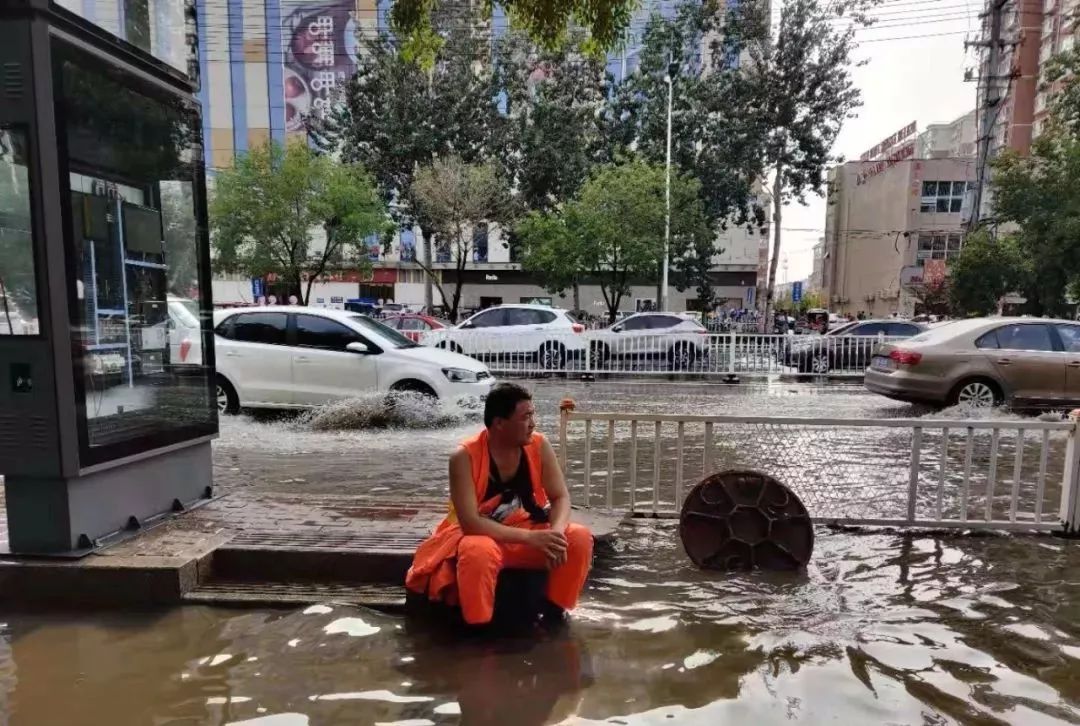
(577, 296)
(776, 220)
(425, 255)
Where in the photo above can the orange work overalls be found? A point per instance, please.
(458, 569)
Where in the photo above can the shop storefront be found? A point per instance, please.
(104, 270)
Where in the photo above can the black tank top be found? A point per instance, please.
(514, 493)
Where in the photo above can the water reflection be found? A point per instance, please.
(879, 629)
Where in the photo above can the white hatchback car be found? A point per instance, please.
(551, 335)
(680, 340)
(297, 357)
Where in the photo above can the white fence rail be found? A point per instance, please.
(978, 474)
(717, 354)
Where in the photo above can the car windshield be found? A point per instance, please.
(387, 333)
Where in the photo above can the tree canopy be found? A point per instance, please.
(266, 210)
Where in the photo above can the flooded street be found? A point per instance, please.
(880, 628)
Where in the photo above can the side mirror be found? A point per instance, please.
(467, 325)
(358, 348)
(617, 329)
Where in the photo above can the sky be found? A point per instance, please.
(915, 75)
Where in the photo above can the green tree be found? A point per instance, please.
(1063, 70)
(396, 117)
(612, 233)
(987, 269)
(545, 20)
(933, 297)
(1040, 193)
(713, 139)
(266, 211)
(796, 90)
(458, 198)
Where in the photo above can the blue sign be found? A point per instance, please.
(796, 292)
(257, 288)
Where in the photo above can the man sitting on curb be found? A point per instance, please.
(509, 508)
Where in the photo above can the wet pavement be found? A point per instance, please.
(880, 628)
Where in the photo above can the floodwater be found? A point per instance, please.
(879, 629)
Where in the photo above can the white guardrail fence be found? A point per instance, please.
(1007, 474)
(718, 354)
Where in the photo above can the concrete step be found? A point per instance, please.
(376, 557)
(390, 598)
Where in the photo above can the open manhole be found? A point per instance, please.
(740, 520)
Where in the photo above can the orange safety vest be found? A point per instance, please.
(433, 570)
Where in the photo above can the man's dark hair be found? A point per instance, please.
(501, 401)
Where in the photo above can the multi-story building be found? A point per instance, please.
(954, 140)
(268, 63)
(1013, 99)
(887, 228)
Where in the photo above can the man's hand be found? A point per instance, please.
(551, 543)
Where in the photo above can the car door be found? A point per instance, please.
(258, 358)
(323, 370)
(483, 334)
(856, 346)
(633, 337)
(1070, 344)
(1026, 358)
(523, 331)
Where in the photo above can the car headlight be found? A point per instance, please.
(460, 375)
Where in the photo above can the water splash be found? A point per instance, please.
(401, 410)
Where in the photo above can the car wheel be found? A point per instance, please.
(599, 355)
(228, 403)
(819, 364)
(682, 356)
(411, 390)
(551, 356)
(976, 393)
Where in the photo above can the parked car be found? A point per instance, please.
(185, 333)
(289, 357)
(651, 335)
(848, 347)
(1027, 363)
(413, 325)
(550, 335)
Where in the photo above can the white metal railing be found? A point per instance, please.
(986, 474)
(604, 352)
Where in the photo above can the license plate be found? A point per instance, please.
(882, 363)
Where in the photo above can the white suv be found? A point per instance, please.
(296, 357)
(680, 340)
(552, 335)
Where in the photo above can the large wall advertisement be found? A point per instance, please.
(321, 41)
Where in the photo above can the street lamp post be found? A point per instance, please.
(667, 196)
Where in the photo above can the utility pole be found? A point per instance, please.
(988, 76)
(667, 195)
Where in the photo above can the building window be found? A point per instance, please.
(374, 246)
(941, 246)
(407, 245)
(942, 196)
(480, 242)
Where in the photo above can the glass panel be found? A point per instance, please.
(480, 243)
(18, 291)
(929, 189)
(942, 205)
(163, 28)
(265, 328)
(958, 189)
(943, 188)
(489, 319)
(142, 349)
(926, 207)
(407, 248)
(987, 341)
(1070, 337)
(955, 205)
(1025, 337)
(316, 332)
(521, 316)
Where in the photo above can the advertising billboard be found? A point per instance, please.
(320, 44)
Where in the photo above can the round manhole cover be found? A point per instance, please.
(739, 520)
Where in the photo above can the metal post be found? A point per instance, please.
(1070, 484)
(667, 196)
